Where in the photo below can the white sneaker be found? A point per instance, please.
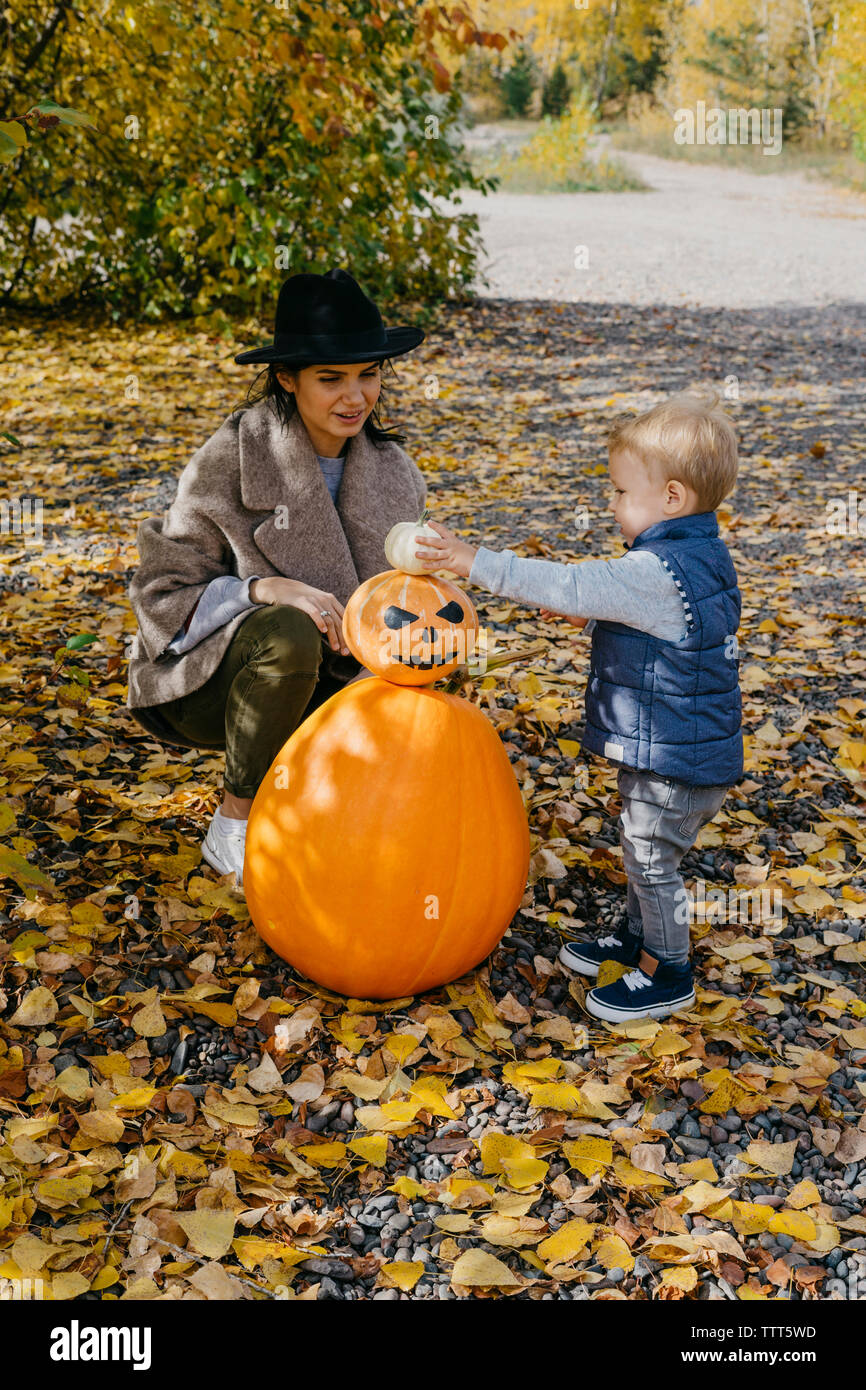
(223, 846)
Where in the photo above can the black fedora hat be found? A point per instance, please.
(329, 318)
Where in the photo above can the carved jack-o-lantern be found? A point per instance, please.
(410, 629)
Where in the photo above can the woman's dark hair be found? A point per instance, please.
(285, 404)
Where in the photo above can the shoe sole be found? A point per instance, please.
(208, 854)
(585, 968)
(614, 1015)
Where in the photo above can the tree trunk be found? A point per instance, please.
(822, 89)
(605, 57)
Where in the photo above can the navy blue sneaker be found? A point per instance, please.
(638, 995)
(586, 956)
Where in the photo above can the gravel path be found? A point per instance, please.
(700, 235)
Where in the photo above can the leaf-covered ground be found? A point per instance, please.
(182, 1117)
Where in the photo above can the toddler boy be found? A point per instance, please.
(663, 697)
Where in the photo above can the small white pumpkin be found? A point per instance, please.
(400, 546)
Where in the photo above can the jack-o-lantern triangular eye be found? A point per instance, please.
(398, 617)
(452, 612)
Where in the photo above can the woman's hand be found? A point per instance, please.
(295, 594)
(448, 553)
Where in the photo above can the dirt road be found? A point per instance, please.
(700, 235)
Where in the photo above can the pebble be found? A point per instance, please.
(328, 1289)
(700, 1147)
(432, 1169)
(64, 1060)
(732, 1123)
(323, 1117)
(382, 1203)
(330, 1268)
(666, 1120)
(160, 1046)
(372, 1220)
(693, 1090)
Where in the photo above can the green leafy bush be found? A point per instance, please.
(234, 148)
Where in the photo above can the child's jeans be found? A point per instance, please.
(659, 822)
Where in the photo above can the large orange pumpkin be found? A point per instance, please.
(388, 847)
(411, 629)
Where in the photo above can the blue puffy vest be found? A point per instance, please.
(674, 707)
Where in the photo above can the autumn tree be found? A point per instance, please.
(744, 72)
(610, 47)
(847, 104)
(230, 154)
(804, 56)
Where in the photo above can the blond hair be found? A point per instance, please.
(686, 438)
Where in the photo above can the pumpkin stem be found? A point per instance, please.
(423, 517)
(471, 672)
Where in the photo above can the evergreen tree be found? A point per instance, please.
(518, 83)
(555, 93)
(744, 76)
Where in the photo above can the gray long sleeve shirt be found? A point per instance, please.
(226, 596)
(635, 589)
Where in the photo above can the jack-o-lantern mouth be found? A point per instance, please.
(418, 664)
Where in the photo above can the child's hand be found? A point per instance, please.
(447, 553)
(575, 622)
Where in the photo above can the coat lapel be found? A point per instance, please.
(305, 536)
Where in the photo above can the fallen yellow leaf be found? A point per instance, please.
(402, 1274)
(477, 1269)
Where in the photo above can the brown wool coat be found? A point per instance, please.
(253, 501)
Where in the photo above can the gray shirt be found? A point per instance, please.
(635, 589)
(226, 596)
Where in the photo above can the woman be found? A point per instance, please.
(241, 586)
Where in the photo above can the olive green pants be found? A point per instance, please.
(265, 686)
